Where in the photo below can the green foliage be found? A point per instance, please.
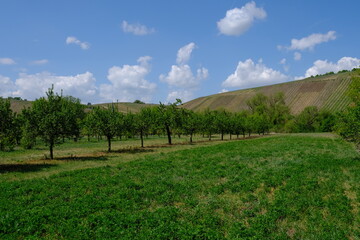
(288, 187)
(258, 104)
(260, 122)
(56, 117)
(106, 122)
(354, 88)
(208, 120)
(74, 115)
(306, 121)
(279, 112)
(29, 129)
(168, 117)
(268, 112)
(143, 122)
(238, 123)
(8, 126)
(222, 122)
(326, 121)
(191, 122)
(348, 124)
(139, 102)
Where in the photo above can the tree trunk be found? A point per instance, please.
(51, 146)
(109, 143)
(168, 134)
(230, 136)
(191, 135)
(222, 136)
(142, 138)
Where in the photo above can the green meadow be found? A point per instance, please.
(300, 186)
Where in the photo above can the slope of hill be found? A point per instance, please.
(126, 107)
(327, 92)
(18, 105)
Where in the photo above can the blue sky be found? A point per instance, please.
(103, 51)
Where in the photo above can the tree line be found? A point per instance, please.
(55, 118)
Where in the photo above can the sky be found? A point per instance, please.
(156, 51)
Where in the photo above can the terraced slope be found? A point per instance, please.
(325, 92)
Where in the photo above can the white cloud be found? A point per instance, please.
(311, 41)
(128, 83)
(181, 79)
(184, 53)
(297, 56)
(223, 90)
(74, 40)
(181, 76)
(136, 29)
(285, 66)
(323, 66)
(7, 61)
(184, 95)
(239, 20)
(32, 86)
(6, 86)
(283, 61)
(249, 74)
(39, 62)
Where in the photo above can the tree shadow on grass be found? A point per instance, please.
(133, 150)
(6, 168)
(82, 158)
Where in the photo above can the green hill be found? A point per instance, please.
(327, 92)
(126, 107)
(18, 105)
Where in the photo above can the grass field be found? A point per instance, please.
(279, 187)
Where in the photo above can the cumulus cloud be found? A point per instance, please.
(239, 20)
(128, 82)
(283, 61)
(136, 29)
(74, 40)
(324, 66)
(249, 74)
(6, 86)
(7, 61)
(184, 53)
(32, 86)
(184, 95)
(285, 66)
(297, 56)
(181, 79)
(224, 90)
(39, 62)
(310, 41)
